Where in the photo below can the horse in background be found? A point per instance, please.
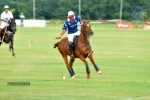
(82, 51)
(7, 35)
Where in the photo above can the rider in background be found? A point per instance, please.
(71, 25)
(6, 16)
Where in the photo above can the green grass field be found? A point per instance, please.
(122, 55)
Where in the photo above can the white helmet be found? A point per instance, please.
(6, 6)
(70, 13)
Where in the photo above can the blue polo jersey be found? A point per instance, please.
(72, 27)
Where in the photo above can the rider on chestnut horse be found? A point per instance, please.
(83, 50)
(71, 25)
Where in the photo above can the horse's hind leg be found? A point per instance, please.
(11, 48)
(94, 64)
(70, 64)
(87, 66)
(71, 72)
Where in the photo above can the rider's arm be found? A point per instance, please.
(63, 31)
(3, 20)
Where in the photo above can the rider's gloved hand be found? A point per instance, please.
(58, 37)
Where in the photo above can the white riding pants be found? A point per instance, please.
(3, 25)
(71, 36)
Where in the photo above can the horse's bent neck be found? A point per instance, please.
(83, 38)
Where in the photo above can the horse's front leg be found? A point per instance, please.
(86, 64)
(94, 64)
(11, 48)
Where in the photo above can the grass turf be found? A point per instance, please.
(122, 55)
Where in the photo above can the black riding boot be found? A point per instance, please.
(71, 49)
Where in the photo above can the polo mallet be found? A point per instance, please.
(52, 39)
(4, 35)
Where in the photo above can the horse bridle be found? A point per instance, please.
(88, 37)
(12, 28)
(90, 34)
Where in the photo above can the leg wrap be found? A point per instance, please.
(87, 69)
(96, 68)
(70, 72)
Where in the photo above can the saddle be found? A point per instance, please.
(75, 43)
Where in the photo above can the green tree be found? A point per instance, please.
(90, 9)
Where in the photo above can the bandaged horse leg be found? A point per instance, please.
(71, 72)
(70, 64)
(94, 64)
(87, 66)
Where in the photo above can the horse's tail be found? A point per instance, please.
(56, 44)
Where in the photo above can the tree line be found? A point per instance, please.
(90, 9)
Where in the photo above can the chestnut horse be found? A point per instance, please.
(82, 51)
(7, 35)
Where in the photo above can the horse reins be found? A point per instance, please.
(87, 44)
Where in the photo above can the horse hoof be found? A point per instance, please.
(99, 72)
(73, 76)
(13, 55)
(88, 77)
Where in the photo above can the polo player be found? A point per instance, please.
(6, 16)
(71, 25)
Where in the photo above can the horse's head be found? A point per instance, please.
(86, 29)
(12, 25)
